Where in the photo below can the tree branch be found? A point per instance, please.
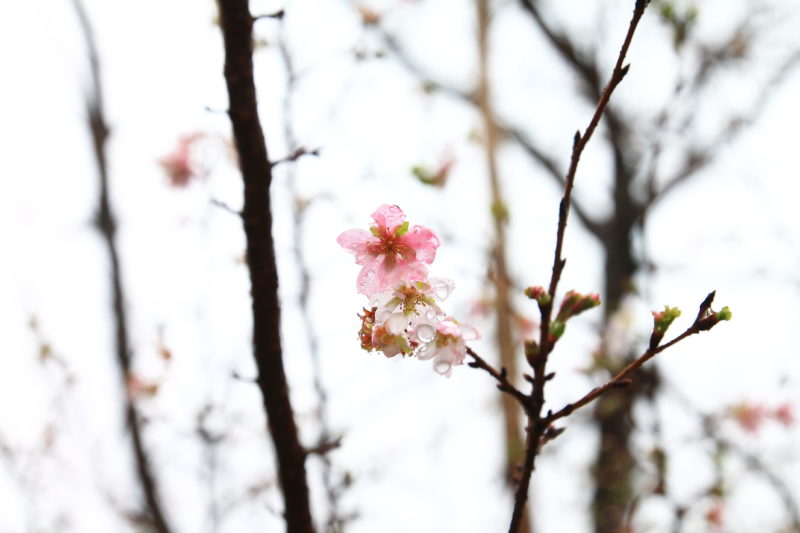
(538, 425)
(237, 22)
(501, 376)
(621, 378)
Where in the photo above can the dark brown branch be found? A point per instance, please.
(105, 222)
(538, 425)
(237, 22)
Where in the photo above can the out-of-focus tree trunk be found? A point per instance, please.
(151, 517)
(504, 334)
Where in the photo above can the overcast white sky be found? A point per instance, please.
(424, 450)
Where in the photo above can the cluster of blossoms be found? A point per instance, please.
(404, 316)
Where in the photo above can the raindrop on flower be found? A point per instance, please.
(425, 332)
(442, 367)
(442, 288)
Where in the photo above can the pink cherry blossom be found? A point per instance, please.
(391, 252)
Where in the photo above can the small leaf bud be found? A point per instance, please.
(539, 294)
(532, 351)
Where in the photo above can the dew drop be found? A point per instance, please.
(442, 288)
(425, 333)
(430, 314)
(442, 366)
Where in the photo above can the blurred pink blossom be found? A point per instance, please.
(749, 416)
(179, 164)
(715, 514)
(784, 414)
(391, 252)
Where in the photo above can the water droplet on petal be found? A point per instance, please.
(425, 333)
(442, 288)
(442, 366)
(430, 314)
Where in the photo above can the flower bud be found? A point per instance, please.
(662, 320)
(575, 303)
(539, 294)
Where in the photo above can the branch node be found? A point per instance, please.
(622, 383)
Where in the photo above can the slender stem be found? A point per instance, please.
(335, 520)
(536, 424)
(619, 380)
(237, 25)
(501, 376)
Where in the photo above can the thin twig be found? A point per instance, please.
(710, 428)
(276, 15)
(295, 155)
(501, 377)
(536, 424)
(106, 224)
(335, 520)
(621, 378)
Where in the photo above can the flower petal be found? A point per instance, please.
(388, 217)
(368, 282)
(423, 241)
(358, 242)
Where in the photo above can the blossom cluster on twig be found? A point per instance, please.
(403, 315)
